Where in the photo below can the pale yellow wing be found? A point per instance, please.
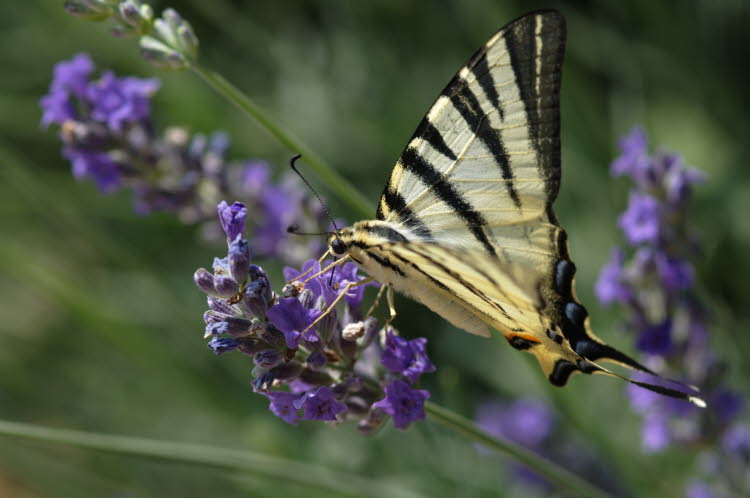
(483, 167)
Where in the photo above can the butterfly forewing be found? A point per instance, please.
(486, 157)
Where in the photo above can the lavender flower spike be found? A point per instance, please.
(334, 376)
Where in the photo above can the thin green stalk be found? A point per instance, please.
(210, 456)
(551, 471)
(333, 180)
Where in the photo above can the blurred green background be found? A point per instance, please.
(100, 323)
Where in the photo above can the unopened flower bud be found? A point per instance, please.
(268, 358)
(90, 10)
(273, 337)
(239, 259)
(221, 345)
(161, 55)
(232, 325)
(226, 286)
(257, 273)
(251, 345)
(315, 378)
(258, 297)
(137, 15)
(288, 371)
(317, 360)
(264, 381)
(204, 280)
(212, 316)
(220, 305)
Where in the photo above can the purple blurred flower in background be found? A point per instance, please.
(655, 287)
(330, 372)
(119, 101)
(527, 421)
(109, 137)
(611, 286)
(641, 223)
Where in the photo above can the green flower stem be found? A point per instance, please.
(333, 180)
(549, 470)
(344, 483)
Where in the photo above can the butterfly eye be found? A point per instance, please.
(338, 246)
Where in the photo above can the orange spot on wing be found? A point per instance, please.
(527, 337)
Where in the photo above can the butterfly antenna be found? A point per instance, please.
(323, 204)
(294, 230)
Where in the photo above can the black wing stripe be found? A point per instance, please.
(382, 261)
(432, 135)
(482, 73)
(461, 281)
(467, 104)
(436, 181)
(441, 285)
(540, 92)
(397, 204)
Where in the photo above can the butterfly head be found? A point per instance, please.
(339, 241)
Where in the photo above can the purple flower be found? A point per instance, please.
(699, 490)
(282, 405)
(405, 357)
(679, 181)
(737, 440)
(656, 434)
(634, 160)
(221, 345)
(527, 421)
(656, 339)
(346, 274)
(403, 403)
(280, 208)
(611, 286)
(56, 108)
(96, 165)
(117, 101)
(255, 178)
(291, 318)
(675, 274)
(319, 404)
(232, 218)
(727, 405)
(641, 222)
(72, 76)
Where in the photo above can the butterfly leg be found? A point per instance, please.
(327, 268)
(320, 262)
(377, 301)
(338, 298)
